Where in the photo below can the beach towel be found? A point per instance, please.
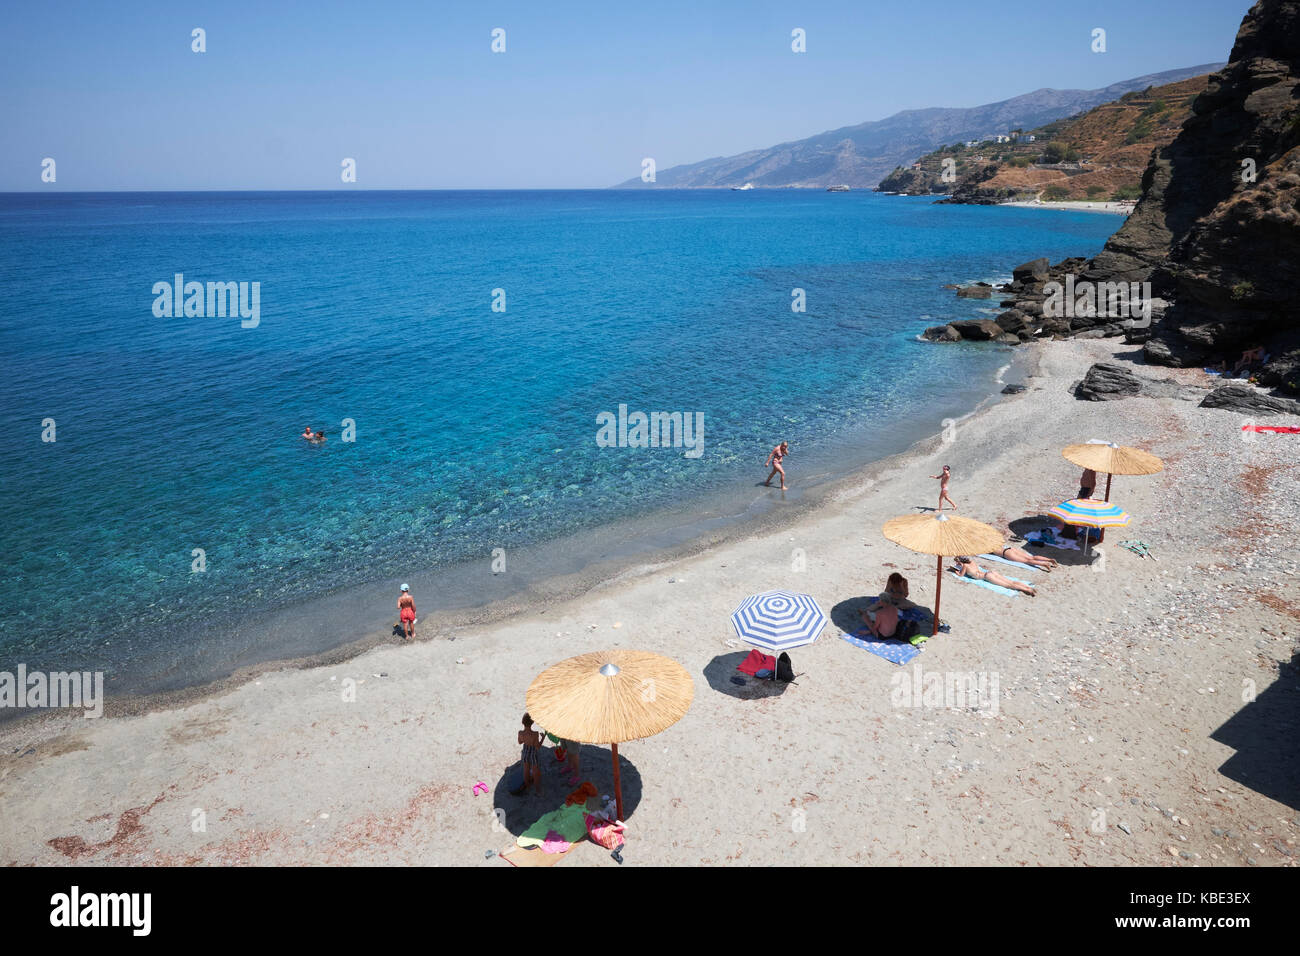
(1212, 371)
(1015, 564)
(567, 823)
(1049, 537)
(755, 662)
(517, 856)
(923, 617)
(1280, 429)
(990, 587)
(606, 833)
(896, 652)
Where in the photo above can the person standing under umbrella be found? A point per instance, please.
(1087, 483)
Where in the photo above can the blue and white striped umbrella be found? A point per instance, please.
(778, 620)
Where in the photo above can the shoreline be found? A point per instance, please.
(1075, 205)
(555, 588)
(290, 772)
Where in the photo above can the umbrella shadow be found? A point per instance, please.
(1065, 557)
(1263, 734)
(517, 813)
(720, 671)
(847, 614)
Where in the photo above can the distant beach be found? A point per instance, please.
(1075, 205)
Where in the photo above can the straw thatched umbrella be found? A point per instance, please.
(942, 534)
(1113, 460)
(608, 697)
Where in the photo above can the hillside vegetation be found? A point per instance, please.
(1097, 155)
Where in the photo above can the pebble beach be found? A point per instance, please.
(1145, 707)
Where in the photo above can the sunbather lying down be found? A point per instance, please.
(1012, 553)
(968, 568)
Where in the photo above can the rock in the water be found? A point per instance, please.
(977, 330)
(1014, 389)
(941, 333)
(1034, 269)
(1006, 338)
(1243, 398)
(981, 290)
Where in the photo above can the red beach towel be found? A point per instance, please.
(756, 662)
(1280, 429)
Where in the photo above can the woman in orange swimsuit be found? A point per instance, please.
(406, 608)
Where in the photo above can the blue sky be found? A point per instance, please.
(412, 91)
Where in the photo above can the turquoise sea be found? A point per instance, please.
(475, 429)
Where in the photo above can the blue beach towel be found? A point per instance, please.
(923, 616)
(991, 587)
(1015, 564)
(896, 652)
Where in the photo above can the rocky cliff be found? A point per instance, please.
(1217, 230)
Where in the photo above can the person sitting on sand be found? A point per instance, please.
(886, 623)
(531, 754)
(1042, 561)
(896, 591)
(774, 459)
(943, 477)
(406, 609)
(1249, 358)
(968, 568)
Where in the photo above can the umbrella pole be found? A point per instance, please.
(938, 587)
(1109, 476)
(618, 784)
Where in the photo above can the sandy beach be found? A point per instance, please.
(1145, 710)
(1077, 205)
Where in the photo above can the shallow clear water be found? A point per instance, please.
(475, 429)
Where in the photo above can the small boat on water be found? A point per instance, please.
(741, 189)
(837, 189)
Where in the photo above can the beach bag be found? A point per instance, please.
(906, 630)
(606, 833)
(784, 669)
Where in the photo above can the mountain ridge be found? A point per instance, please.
(862, 154)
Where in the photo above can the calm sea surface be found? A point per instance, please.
(475, 429)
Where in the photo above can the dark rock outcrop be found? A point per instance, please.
(980, 290)
(1243, 398)
(1217, 230)
(977, 330)
(1035, 269)
(941, 333)
(1108, 381)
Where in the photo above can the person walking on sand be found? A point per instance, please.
(531, 751)
(406, 609)
(774, 459)
(943, 477)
